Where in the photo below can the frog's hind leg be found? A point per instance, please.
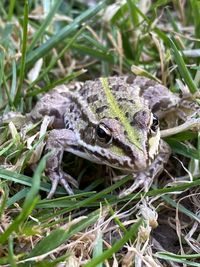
(145, 179)
(57, 143)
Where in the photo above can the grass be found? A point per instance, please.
(47, 43)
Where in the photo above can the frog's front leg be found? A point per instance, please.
(58, 141)
(146, 177)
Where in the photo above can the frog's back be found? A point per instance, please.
(79, 104)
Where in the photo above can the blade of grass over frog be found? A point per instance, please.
(59, 236)
(34, 55)
(92, 199)
(56, 83)
(23, 58)
(55, 60)
(29, 203)
(185, 74)
(18, 196)
(178, 258)
(40, 32)
(131, 234)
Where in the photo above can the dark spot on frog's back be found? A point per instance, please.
(71, 108)
(149, 83)
(101, 109)
(141, 119)
(84, 90)
(130, 79)
(92, 98)
(121, 99)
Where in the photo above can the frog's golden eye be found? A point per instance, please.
(155, 123)
(103, 134)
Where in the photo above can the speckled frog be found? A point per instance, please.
(112, 121)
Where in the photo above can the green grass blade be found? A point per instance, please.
(55, 60)
(196, 16)
(185, 74)
(98, 248)
(40, 33)
(62, 34)
(23, 59)
(133, 12)
(11, 256)
(56, 83)
(29, 203)
(11, 9)
(18, 196)
(14, 82)
(59, 236)
(181, 208)
(4, 196)
(179, 258)
(131, 234)
(183, 149)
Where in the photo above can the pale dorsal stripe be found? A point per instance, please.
(113, 105)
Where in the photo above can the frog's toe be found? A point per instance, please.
(142, 180)
(139, 182)
(54, 183)
(64, 182)
(62, 178)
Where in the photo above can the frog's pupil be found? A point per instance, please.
(154, 125)
(101, 133)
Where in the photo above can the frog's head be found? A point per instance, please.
(126, 135)
(130, 148)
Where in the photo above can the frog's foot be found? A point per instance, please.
(142, 180)
(62, 178)
(58, 141)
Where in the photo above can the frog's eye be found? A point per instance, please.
(103, 134)
(155, 123)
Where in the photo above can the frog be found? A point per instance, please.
(113, 121)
